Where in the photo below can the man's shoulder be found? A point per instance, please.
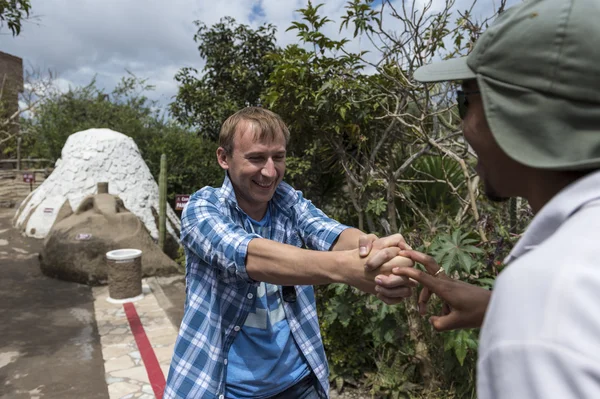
(544, 293)
(202, 201)
(207, 194)
(286, 197)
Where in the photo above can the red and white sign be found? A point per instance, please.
(180, 201)
(29, 177)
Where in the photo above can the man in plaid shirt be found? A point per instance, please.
(250, 327)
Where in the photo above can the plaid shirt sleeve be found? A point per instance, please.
(318, 231)
(215, 238)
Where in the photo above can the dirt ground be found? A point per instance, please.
(49, 343)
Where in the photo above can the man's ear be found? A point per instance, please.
(222, 158)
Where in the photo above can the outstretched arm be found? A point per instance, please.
(464, 304)
(283, 264)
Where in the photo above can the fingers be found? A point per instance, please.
(398, 261)
(365, 244)
(394, 286)
(404, 246)
(444, 323)
(427, 261)
(432, 283)
(381, 257)
(389, 300)
(423, 300)
(395, 240)
(393, 281)
(398, 292)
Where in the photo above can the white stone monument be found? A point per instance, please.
(90, 157)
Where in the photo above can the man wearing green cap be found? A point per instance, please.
(530, 103)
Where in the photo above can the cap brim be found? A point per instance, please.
(453, 69)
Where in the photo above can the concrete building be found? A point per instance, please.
(11, 84)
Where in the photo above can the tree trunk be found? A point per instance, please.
(162, 202)
(370, 224)
(422, 356)
(19, 152)
(361, 221)
(391, 204)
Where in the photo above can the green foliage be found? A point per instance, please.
(234, 76)
(461, 341)
(367, 148)
(192, 160)
(444, 174)
(392, 378)
(180, 259)
(342, 322)
(454, 252)
(377, 206)
(12, 13)
(125, 110)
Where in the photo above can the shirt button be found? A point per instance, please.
(225, 361)
(236, 328)
(221, 396)
(250, 296)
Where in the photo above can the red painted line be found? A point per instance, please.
(155, 374)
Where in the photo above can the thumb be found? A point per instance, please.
(445, 323)
(365, 244)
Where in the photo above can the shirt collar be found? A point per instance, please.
(284, 198)
(564, 204)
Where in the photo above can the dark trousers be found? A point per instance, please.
(306, 388)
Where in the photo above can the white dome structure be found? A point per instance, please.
(90, 157)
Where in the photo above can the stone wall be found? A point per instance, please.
(11, 84)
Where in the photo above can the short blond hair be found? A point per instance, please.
(267, 124)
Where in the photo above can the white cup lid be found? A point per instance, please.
(123, 254)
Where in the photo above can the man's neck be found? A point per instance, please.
(255, 211)
(546, 185)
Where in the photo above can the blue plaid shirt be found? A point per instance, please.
(220, 292)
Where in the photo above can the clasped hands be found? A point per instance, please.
(390, 261)
(379, 257)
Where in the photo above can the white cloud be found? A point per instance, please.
(80, 39)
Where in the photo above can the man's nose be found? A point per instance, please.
(269, 169)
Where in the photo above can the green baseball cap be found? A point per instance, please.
(538, 70)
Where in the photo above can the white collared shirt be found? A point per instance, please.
(541, 335)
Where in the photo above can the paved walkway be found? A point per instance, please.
(49, 343)
(136, 361)
(62, 340)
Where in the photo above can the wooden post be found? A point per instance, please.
(162, 202)
(19, 152)
(102, 187)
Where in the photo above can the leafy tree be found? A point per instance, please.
(191, 159)
(12, 13)
(396, 148)
(234, 76)
(125, 110)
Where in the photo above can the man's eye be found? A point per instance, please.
(255, 159)
(279, 157)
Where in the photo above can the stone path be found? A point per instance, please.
(126, 374)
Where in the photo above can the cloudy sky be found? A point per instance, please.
(80, 39)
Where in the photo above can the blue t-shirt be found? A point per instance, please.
(264, 359)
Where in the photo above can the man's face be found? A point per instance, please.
(255, 168)
(496, 169)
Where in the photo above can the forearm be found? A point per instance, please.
(283, 264)
(348, 239)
